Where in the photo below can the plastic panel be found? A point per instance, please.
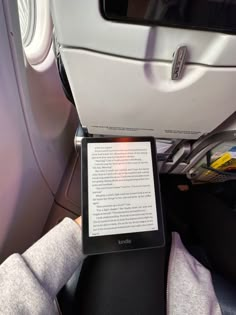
(129, 97)
(80, 24)
(69, 192)
(50, 118)
(24, 195)
(57, 214)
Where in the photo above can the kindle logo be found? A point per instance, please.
(124, 242)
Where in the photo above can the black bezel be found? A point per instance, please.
(109, 243)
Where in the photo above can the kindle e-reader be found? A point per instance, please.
(121, 202)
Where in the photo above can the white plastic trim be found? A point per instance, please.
(39, 47)
(26, 9)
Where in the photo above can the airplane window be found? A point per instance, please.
(213, 15)
(27, 20)
(36, 29)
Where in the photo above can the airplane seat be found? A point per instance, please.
(134, 69)
(130, 78)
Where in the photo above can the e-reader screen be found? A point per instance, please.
(121, 207)
(121, 188)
